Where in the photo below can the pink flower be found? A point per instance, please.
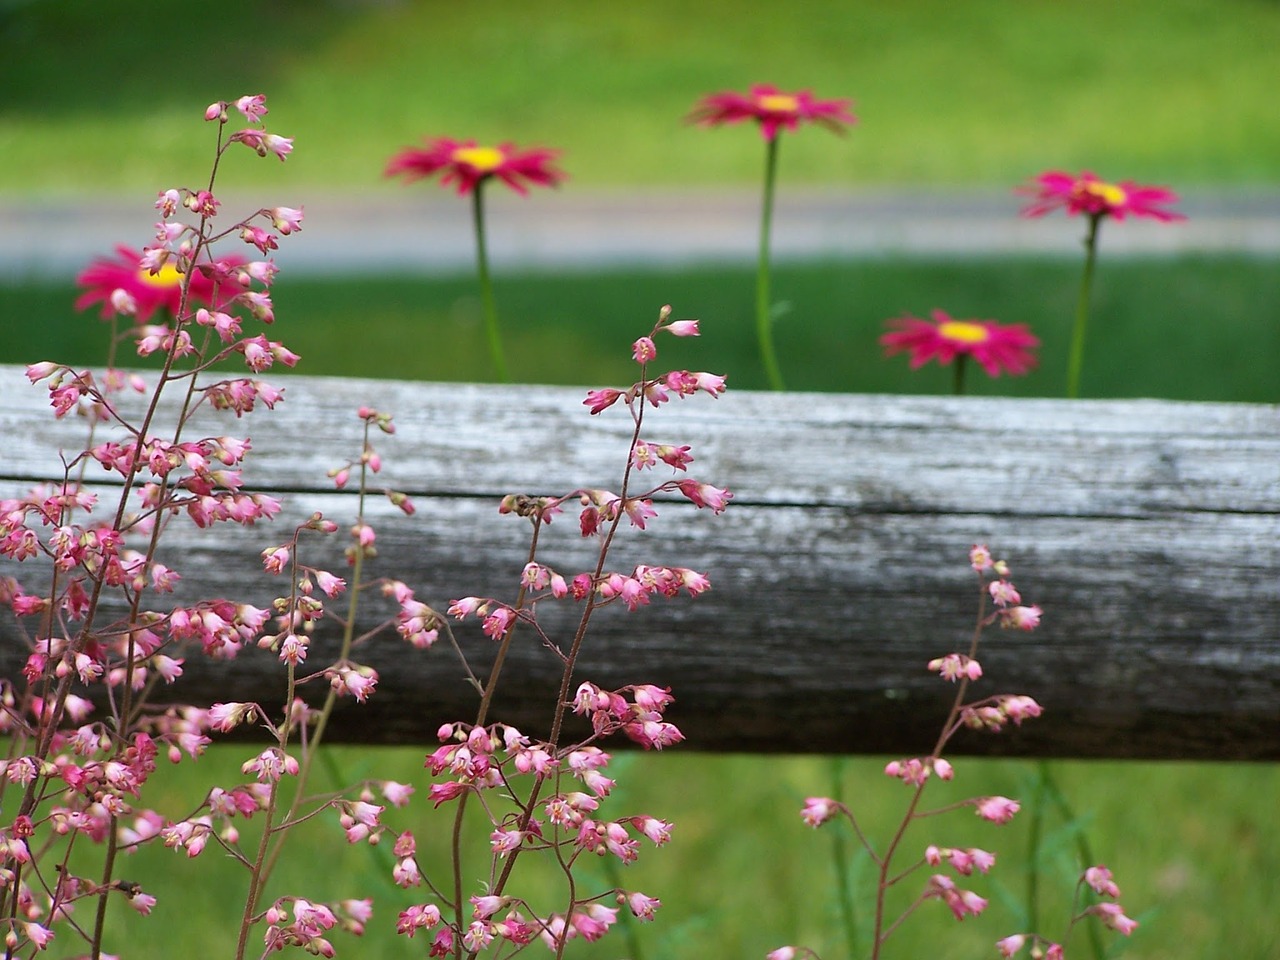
(599, 400)
(419, 916)
(148, 291)
(996, 809)
(1023, 618)
(1099, 878)
(641, 905)
(263, 142)
(956, 665)
(1112, 914)
(253, 107)
(643, 350)
(772, 109)
(1010, 946)
(1003, 593)
(996, 347)
(1097, 198)
(818, 810)
(682, 328)
(980, 558)
(468, 165)
(705, 495)
(286, 219)
(961, 902)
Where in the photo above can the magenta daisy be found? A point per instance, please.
(998, 348)
(1097, 200)
(773, 109)
(468, 164)
(1087, 194)
(106, 280)
(471, 166)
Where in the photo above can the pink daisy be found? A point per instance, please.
(1097, 198)
(773, 109)
(995, 346)
(149, 291)
(466, 163)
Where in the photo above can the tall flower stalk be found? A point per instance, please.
(470, 166)
(773, 110)
(1096, 199)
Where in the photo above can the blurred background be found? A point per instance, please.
(101, 106)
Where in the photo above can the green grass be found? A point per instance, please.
(109, 96)
(1202, 328)
(743, 875)
(98, 97)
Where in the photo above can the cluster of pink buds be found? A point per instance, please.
(1099, 880)
(640, 718)
(294, 922)
(658, 391)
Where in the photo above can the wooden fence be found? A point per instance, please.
(1148, 531)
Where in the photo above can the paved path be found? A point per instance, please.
(422, 229)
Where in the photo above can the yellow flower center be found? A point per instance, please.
(962, 331)
(167, 276)
(479, 159)
(778, 103)
(1108, 193)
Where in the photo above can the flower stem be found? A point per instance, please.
(486, 286)
(1076, 358)
(764, 312)
(957, 385)
(843, 864)
(1047, 789)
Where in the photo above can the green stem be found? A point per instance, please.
(1084, 849)
(1035, 836)
(1076, 358)
(843, 864)
(764, 312)
(957, 385)
(486, 286)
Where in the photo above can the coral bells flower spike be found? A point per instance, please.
(1087, 194)
(772, 109)
(468, 164)
(998, 348)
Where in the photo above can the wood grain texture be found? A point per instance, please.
(1148, 531)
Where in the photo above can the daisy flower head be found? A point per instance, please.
(123, 279)
(1094, 197)
(998, 348)
(772, 109)
(469, 164)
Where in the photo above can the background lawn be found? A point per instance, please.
(102, 96)
(1194, 328)
(99, 98)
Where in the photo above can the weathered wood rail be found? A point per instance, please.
(1148, 531)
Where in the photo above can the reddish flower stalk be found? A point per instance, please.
(990, 714)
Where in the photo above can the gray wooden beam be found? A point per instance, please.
(1149, 532)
